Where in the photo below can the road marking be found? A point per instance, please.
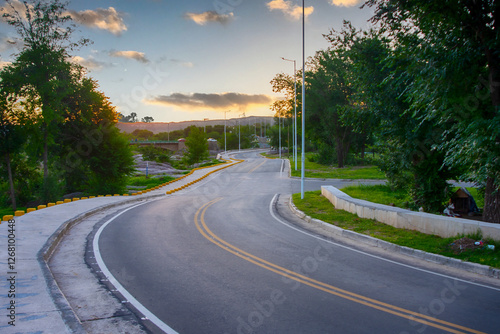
(141, 308)
(201, 226)
(371, 255)
(253, 169)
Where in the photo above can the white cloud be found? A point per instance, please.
(346, 3)
(208, 17)
(139, 56)
(4, 63)
(289, 9)
(14, 8)
(90, 63)
(106, 19)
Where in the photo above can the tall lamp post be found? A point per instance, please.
(225, 141)
(295, 111)
(303, 158)
(279, 132)
(239, 132)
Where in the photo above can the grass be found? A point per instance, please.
(148, 182)
(382, 194)
(9, 211)
(317, 206)
(316, 170)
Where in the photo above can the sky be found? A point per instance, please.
(195, 59)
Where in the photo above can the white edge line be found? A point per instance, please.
(371, 255)
(141, 308)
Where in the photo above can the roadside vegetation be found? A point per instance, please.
(317, 206)
(315, 169)
(384, 194)
(416, 90)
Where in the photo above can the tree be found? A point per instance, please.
(329, 88)
(132, 118)
(454, 47)
(12, 138)
(142, 133)
(147, 119)
(41, 71)
(197, 145)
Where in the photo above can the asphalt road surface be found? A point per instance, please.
(221, 257)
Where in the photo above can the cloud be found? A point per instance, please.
(346, 3)
(7, 43)
(182, 63)
(289, 9)
(209, 17)
(223, 101)
(101, 18)
(13, 7)
(4, 64)
(139, 56)
(90, 63)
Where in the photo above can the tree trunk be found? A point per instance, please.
(491, 211)
(342, 151)
(11, 182)
(45, 156)
(363, 147)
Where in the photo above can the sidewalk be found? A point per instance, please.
(30, 299)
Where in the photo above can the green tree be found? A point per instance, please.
(142, 134)
(41, 71)
(111, 162)
(454, 47)
(197, 145)
(329, 88)
(97, 157)
(12, 138)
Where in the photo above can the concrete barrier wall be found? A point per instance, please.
(420, 221)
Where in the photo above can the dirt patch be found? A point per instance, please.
(461, 245)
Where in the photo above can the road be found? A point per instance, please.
(220, 257)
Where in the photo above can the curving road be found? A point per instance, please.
(225, 256)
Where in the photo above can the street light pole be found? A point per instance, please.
(303, 158)
(225, 141)
(295, 113)
(279, 132)
(239, 132)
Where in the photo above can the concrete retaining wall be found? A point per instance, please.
(420, 221)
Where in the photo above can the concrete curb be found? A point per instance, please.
(45, 254)
(374, 242)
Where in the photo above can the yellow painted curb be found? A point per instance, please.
(67, 200)
(19, 213)
(76, 199)
(41, 207)
(59, 202)
(30, 210)
(50, 204)
(7, 217)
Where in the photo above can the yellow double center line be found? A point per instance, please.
(199, 220)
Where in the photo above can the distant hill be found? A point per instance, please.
(157, 127)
